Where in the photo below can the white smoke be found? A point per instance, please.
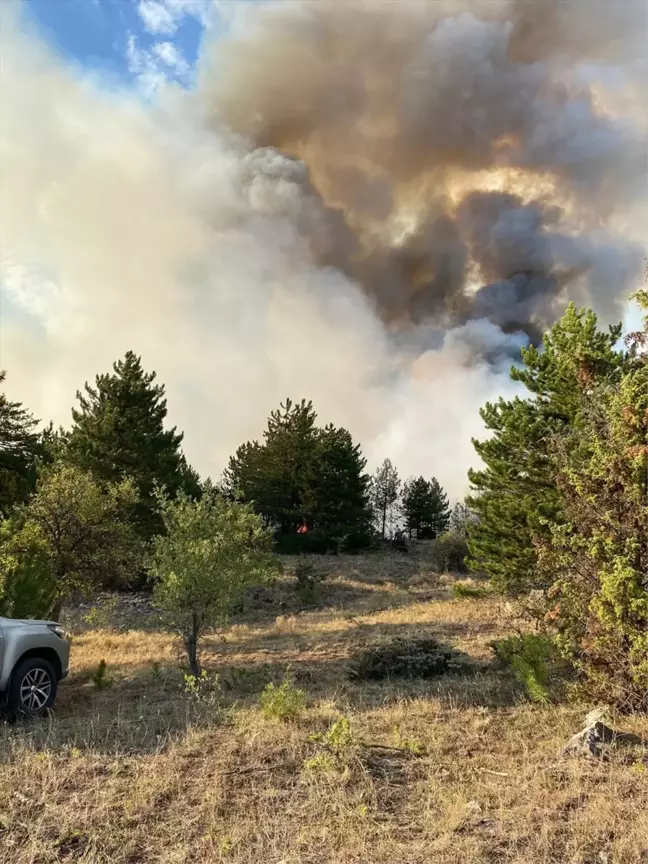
(160, 229)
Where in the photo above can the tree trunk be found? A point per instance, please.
(384, 519)
(192, 646)
(55, 613)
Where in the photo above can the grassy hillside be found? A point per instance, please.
(458, 769)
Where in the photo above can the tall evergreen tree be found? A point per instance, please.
(385, 489)
(515, 495)
(425, 508)
(119, 432)
(273, 475)
(303, 478)
(19, 449)
(336, 499)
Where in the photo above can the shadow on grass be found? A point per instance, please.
(358, 594)
(344, 640)
(146, 707)
(145, 712)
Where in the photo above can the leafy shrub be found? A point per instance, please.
(307, 580)
(282, 702)
(100, 677)
(406, 658)
(341, 744)
(201, 688)
(27, 588)
(212, 552)
(461, 591)
(533, 660)
(411, 745)
(101, 616)
(339, 737)
(323, 763)
(452, 550)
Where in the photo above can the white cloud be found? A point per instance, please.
(157, 17)
(147, 69)
(165, 16)
(170, 54)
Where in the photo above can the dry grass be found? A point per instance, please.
(143, 772)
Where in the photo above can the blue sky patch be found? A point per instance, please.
(129, 43)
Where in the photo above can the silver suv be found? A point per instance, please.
(34, 657)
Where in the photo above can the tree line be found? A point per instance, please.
(81, 507)
(557, 516)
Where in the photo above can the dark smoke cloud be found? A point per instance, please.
(460, 168)
(373, 111)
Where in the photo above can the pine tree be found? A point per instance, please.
(425, 508)
(595, 559)
(514, 496)
(119, 432)
(273, 475)
(385, 489)
(19, 449)
(336, 499)
(303, 479)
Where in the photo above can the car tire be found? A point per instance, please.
(33, 688)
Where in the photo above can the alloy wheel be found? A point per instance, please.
(35, 689)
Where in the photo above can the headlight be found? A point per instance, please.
(56, 628)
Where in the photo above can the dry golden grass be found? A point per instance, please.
(143, 772)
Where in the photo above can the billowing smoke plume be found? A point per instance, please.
(463, 165)
(372, 205)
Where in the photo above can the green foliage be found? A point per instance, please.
(425, 508)
(596, 557)
(336, 492)
(562, 503)
(101, 616)
(532, 658)
(322, 763)
(304, 479)
(451, 550)
(468, 592)
(27, 585)
(119, 433)
(339, 738)
(405, 658)
(307, 579)
(73, 535)
(274, 474)
(19, 450)
(100, 677)
(212, 551)
(384, 493)
(515, 496)
(282, 702)
(342, 747)
(202, 688)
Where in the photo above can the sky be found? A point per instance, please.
(128, 43)
(132, 218)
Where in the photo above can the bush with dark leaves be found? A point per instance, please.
(406, 658)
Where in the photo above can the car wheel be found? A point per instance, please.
(33, 687)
